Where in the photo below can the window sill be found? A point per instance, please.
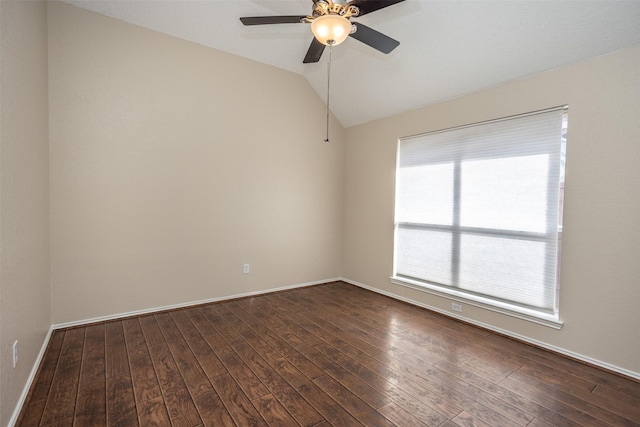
(485, 303)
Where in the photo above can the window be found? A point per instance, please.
(478, 213)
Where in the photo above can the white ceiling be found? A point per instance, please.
(447, 48)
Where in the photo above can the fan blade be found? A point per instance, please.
(314, 53)
(373, 38)
(262, 20)
(368, 6)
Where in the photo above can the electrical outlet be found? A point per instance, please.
(245, 269)
(456, 307)
(15, 353)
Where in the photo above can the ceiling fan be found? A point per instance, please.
(331, 24)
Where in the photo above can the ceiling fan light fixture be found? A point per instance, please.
(331, 30)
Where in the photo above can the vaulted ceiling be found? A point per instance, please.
(447, 48)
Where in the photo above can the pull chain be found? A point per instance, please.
(328, 91)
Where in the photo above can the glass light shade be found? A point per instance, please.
(331, 30)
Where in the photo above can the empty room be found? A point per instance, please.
(297, 212)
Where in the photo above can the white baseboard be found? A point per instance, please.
(30, 379)
(186, 304)
(559, 350)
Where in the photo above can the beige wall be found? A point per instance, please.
(25, 297)
(600, 277)
(173, 164)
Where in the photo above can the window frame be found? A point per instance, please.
(456, 230)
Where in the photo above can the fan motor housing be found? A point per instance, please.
(328, 7)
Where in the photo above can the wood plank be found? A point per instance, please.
(310, 369)
(62, 395)
(205, 398)
(566, 403)
(465, 419)
(537, 422)
(121, 406)
(255, 351)
(411, 322)
(117, 359)
(212, 409)
(405, 390)
(91, 408)
(181, 408)
(463, 387)
(152, 334)
(487, 415)
(295, 404)
(626, 405)
(209, 332)
(237, 403)
(395, 373)
(200, 322)
(31, 413)
(145, 381)
(329, 323)
(532, 355)
(330, 410)
(489, 366)
(512, 395)
(276, 316)
(352, 403)
(194, 377)
(273, 412)
(134, 337)
(153, 413)
(376, 397)
(400, 416)
(93, 357)
(198, 345)
(242, 374)
(219, 332)
(91, 403)
(64, 422)
(48, 368)
(558, 379)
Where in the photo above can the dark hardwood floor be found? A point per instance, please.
(325, 355)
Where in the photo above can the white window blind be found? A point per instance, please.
(478, 209)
